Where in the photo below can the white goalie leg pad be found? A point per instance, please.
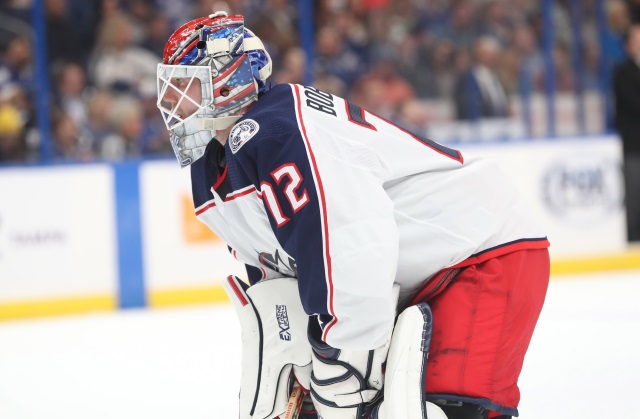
(404, 388)
(274, 343)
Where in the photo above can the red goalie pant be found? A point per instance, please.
(482, 325)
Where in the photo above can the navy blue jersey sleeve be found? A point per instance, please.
(267, 145)
(254, 274)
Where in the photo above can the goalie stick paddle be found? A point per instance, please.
(295, 402)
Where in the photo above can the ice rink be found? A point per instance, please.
(583, 362)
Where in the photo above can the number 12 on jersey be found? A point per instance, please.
(296, 199)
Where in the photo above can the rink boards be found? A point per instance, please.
(97, 236)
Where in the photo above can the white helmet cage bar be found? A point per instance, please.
(189, 134)
(168, 77)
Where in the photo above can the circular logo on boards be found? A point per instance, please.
(583, 188)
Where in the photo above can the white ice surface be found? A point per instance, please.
(583, 363)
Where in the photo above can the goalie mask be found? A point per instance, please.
(212, 70)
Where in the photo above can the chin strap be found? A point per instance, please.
(215, 124)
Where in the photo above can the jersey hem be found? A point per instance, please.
(503, 249)
(441, 279)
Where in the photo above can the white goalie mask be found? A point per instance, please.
(213, 69)
(185, 100)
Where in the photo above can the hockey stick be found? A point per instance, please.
(295, 402)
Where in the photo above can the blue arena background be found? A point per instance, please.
(561, 91)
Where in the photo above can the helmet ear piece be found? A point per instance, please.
(261, 63)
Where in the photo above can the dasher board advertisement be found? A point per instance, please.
(57, 232)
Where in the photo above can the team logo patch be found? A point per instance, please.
(242, 133)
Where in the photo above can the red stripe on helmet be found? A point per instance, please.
(186, 50)
(187, 29)
(226, 73)
(248, 89)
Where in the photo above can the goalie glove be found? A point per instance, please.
(345, 384)
(274, 344)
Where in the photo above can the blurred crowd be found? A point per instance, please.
(391, 57)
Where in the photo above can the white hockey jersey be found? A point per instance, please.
(311, 186)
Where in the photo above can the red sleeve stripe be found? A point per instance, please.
(202, 208)
(240, 192)
(230, 197)
(323, 206)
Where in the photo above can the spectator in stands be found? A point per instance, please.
(18, 112)
(495, 21)
(99, 124)
(479, 93)
(564, 72)
(139, 12)
(441, 71)
(70, 93)
(352, 29)
(337, 58)
(292, 67)
(177, 11)
(153, 134)
(12, 25)
(16, 65)
(462, 26)
(508, 71)
(414, 116)
(67, 141)
(119, 64)
(415, 63)
(434, 16)
(429, 44)
(384, 34)
(125, 141)
(369, 93)
(12, 145)
(330, 84)
(618, 22)
(65, 39)
(626, 85)
(392, 91)
(634, 10)
(156, 32)
(525, 45)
